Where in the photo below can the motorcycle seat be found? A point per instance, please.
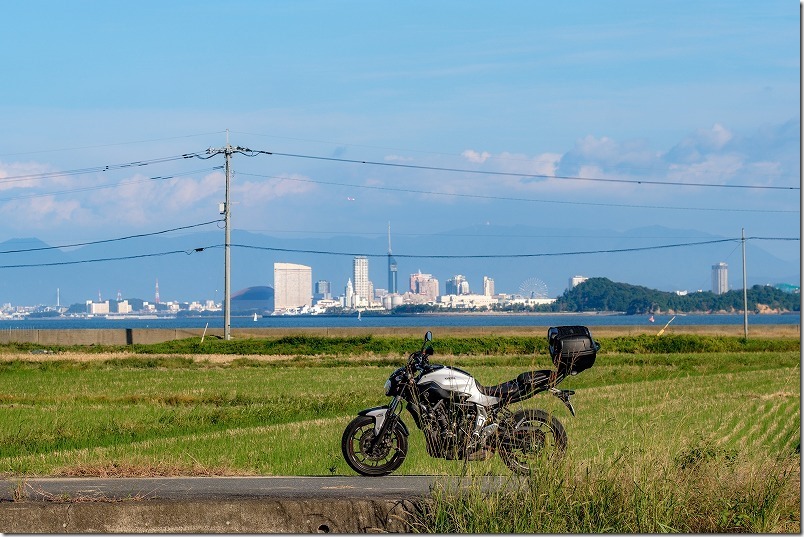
(524, 385)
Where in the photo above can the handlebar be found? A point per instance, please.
(419, 359)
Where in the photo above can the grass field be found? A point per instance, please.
(643, 417)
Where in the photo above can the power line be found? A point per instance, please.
(510, 198)
(101, 260)
(109, 240)
(376, 234)
(94, 169)
(405, 256)
(530, 175)
(114, 185)
(504, 256)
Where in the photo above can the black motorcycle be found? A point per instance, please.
(461, 419)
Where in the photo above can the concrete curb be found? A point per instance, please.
(207, 516)
(211, 504)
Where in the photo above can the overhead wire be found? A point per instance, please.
(254, 153)
(113, 185)
(509, 256)
(529, 175)
(511, 198)
(100, 260)
(400, 256)
(104, 241)
(94, 169)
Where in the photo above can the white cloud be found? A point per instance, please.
(254, 193)
(473, 156)
(714, 168)
(397, 158)
(43, 212)
(12, 175)
(716, 137)
(544, 164)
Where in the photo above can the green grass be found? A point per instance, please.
(488, 345)
(672, 441)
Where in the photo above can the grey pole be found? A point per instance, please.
(227, 286)
(745, 293)
(227, 213)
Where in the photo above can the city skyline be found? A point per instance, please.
(419, 282)
(295, 281)
(441, 271)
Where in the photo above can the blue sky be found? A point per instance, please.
(681, 92)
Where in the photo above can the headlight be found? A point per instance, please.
(388, 387)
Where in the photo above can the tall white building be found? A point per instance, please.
(349, 295)
(360, 277)
(488, 286)
(293, 286)
(720, 278)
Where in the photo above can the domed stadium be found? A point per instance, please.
(256, 299)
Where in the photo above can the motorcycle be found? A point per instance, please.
(464, 420)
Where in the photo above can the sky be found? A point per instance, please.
(433, 116)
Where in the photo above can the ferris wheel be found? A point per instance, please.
(533, 288)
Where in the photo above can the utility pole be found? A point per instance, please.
(745, 293)
(227, 215)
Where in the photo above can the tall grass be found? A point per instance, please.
(715, 494)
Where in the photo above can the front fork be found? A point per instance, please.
(385, 418)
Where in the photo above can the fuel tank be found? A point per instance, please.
(452, 382)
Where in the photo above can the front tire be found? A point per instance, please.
(531, 437)
(386, 457)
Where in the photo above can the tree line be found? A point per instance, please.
(602, 294)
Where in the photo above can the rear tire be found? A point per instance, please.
(529, 439)
(386, 457)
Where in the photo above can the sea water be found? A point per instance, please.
(425, 320)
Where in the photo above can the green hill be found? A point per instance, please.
(602, 294)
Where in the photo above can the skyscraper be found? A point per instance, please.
(293, 286)
(457, 285)
(425, 285)
(360, 277)
(392, 269)
(488, 286)
(323, 290)
(720, 278)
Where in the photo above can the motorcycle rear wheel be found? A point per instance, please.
(386, 457)
(532, 437)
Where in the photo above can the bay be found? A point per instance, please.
(424, 321)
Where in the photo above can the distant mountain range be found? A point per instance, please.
(519, 259)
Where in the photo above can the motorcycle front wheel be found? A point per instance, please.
(386, 456)
(530, 438)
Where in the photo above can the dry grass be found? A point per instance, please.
(146, 469)
(781, 330)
